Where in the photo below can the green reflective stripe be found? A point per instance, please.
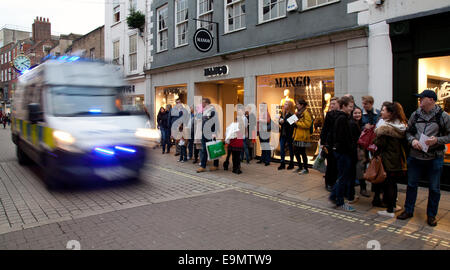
(34, 135)
(24, 129)
(48, 137)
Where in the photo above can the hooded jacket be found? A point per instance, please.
(391, 142)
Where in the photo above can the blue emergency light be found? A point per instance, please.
(125, 149)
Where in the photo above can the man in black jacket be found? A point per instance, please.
(343, 148)
(326, 141)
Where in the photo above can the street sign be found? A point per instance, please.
(203, 40)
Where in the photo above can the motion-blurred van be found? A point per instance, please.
(67, 117)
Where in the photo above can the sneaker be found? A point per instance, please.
(398, 208)
(201, 169)
(432, 221)
(304, 172)
(355, 200)
(346, 207)
(179, 160)
(404, 215)
(386, 214)
(365, 193)
(213, 168)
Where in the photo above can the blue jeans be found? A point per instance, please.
(344, 175)
(204, 156)
(165, 139)
(290, 143)
(183, 153)
(190, 147)
(247, 155)
(428, 169)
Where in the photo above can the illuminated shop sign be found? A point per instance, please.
(292, 81)
(216, 71)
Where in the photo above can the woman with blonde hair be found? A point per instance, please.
(302, 135)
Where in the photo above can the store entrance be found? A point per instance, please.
(222, 92)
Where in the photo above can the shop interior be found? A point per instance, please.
(316, 87)
(168, 94)
(222, 92)
(434, 73)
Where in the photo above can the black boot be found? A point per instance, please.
(225, 165)
(282, 166)
(291, 166)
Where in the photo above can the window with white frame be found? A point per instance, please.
(234, 15)
(316, 3)
(116, 11)
(116, 52)
(205, 13)
(133, 52)
(9, 56)
(181, 22)
(163, 30)
(271, 10)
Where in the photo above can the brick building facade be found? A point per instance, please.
(90, 45)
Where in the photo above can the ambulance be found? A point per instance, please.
(67, 117)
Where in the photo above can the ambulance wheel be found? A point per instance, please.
(22, 157)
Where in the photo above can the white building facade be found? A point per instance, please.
(127, 48)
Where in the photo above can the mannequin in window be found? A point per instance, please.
(286, 98)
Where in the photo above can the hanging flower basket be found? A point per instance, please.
(136, 19)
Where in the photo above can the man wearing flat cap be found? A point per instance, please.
(432, 124)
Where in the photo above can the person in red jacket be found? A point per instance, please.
(236, 143)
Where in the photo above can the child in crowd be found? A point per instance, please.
(183, 142)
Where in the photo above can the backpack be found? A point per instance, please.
(436, 118)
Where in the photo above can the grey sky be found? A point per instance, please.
(66, 16)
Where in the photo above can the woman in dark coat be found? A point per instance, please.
(390, 141)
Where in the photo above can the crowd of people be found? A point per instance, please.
(409, 149)
(5, 119)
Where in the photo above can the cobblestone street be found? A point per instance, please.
(172, 207)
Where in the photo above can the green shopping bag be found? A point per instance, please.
(215, 149)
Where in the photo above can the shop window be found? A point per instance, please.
(168, 95)
(181, 21)
(434, 73)
(116, 11)
(163, 36)
(234, 15)
(307, 4)
(316, 87)
(271, 10)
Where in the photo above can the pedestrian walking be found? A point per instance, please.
(4, 120)
(286, 132)
(362, 155)
(431, 125)
(209, 133)
(391, 142)
(343, 148)
(302, 135)
(327, 143)
(263, 132)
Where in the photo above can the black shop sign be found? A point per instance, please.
(203, 40)
(216, 71)
(292, 81)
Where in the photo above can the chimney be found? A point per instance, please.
(41, 29)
